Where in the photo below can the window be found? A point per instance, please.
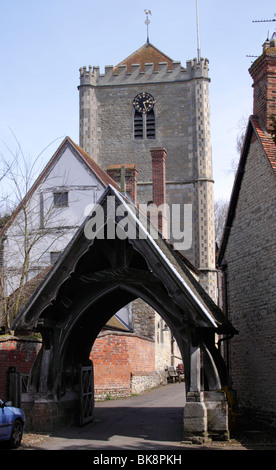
(150, 125)
(138, 125)
(61, 199)
(144, 125)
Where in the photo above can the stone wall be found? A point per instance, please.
(143, 317)
(145, 381)
(181, 111)
(251, 257)
(182, 124)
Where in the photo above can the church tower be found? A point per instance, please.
(150, 101)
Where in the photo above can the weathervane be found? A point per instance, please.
(147, 22)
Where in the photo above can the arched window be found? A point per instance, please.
(144, 125)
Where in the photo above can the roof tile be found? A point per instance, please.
(266, 141)
(147, 54)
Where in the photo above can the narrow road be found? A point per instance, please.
(152, 420)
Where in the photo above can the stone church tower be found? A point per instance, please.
(149, 101)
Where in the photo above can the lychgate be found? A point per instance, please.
(92, 280)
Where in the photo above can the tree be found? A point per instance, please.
(220, 210)
(27, 232)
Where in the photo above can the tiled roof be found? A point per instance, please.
(170, 270)
(99, 172)
(266, 141)
(147, 54)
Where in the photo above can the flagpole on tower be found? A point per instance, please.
(198, 40)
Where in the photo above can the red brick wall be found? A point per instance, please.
(263, 72)
(15, 352)
(158, 156)
(114, 171)
(115, 357)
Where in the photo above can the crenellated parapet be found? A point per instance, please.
(119, 75)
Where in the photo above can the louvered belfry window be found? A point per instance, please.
(144, 125)
(138, 125)
(150, 125)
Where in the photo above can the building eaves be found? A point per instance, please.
(172, 271)
(266, 142)
(97, 170)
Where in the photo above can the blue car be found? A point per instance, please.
(12, 422)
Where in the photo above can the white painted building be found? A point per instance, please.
(51, 212)
(45, 222)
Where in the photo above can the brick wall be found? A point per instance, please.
(251, 257)
(158, 156)
(263, 72)
(16, 352)
(130, 176)
(116, 357)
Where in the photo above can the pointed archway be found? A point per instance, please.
(98, 275)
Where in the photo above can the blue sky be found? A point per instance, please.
(44, 43)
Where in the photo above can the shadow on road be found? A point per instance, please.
(127, 428)
(151, 420)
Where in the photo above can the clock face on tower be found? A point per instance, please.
(143, 102)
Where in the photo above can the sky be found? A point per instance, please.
(44, 43)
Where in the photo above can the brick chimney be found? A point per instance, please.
(158, 157)
(263, 73)
(126, 177)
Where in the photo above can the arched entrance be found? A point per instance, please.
(95, 278)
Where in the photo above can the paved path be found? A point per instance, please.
(150, 421)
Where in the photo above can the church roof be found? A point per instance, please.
(147, 54)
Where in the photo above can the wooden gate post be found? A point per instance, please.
(14, 386)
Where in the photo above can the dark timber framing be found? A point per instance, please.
(92, 280)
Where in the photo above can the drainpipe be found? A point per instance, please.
(225, 310)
